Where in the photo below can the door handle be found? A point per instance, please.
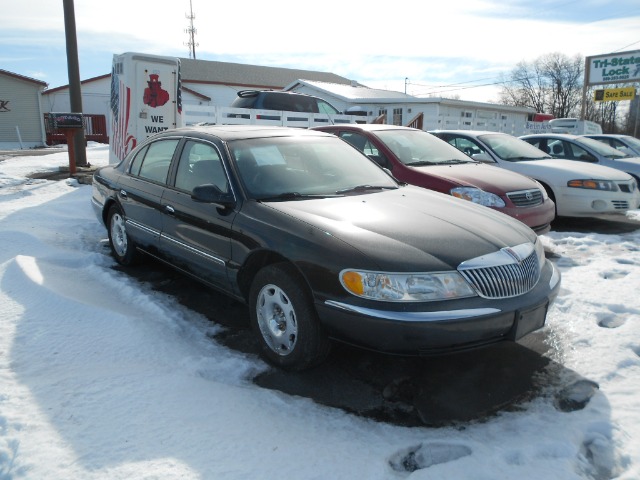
(169, 209)
(123, 194)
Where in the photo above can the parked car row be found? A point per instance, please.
(419, 158)
(578, 189)
(585, 149)
(323, 244)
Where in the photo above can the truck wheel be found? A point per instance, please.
(122, 247)
(285, 321)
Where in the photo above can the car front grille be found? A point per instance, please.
(624, 188)
(526, 198)
(620, 204)
(503, 274)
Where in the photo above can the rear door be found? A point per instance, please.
(140, 192)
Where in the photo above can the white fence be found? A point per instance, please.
(203, 114)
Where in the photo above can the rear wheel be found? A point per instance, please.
(122, 247)
(285, 321)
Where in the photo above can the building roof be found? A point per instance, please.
(364, 95)
(353, 91)
(237, 74)
(82, 82)
(22, 77)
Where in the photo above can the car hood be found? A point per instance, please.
(555, 171)
(409, 229)
(629, 163)
(485, 177)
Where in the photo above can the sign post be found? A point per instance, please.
(69, 124)
(621, 67)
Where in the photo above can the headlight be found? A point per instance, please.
(605, 185)
(478, 196)
(405, 287)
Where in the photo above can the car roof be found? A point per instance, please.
(607, 135)
(365, 127)
(566, 136)
(467, 132)
(238, 132)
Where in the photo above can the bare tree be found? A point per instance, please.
(565, 76)
(552, 84)
(526, 87)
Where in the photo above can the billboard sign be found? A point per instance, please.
(623, 67)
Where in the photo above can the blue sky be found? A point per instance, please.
(451, 48)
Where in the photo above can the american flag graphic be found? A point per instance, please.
(123, 141)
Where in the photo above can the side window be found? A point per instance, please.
(556, 149)
(363, 144)
(578, 153)
(617, 144)
(540, 144)
(155, 164)
(276, 101)
(466, 145)
(200, 164)
(134, 169)
(324, 107)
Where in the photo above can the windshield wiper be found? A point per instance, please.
(455, 161)
(294, 196)
(517, 159)
(364, 188)
(419, 163)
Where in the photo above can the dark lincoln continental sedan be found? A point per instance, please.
(323, 244)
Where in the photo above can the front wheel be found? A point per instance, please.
(122, 247)
(285, 321)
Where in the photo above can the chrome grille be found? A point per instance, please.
(526, 198)
(503, 274)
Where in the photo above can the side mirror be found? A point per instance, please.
(482, 157)
(210, 193)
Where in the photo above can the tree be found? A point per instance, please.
(551, 84)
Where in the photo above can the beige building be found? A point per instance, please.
(21, 116)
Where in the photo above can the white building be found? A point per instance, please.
(212, 84)
(401, 109)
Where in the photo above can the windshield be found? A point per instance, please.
(512, 149)
(601, 148)
(417, 148)
(292, 168)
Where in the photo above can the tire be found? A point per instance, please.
(122, 247)
(285, 321)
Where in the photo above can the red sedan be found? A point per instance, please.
(419, 158)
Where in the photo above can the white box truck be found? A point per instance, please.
(574, 126)
(146, 98)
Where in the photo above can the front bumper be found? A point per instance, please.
(412, 332)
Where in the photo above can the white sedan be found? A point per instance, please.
(578, 189)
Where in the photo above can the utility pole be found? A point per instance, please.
(75, 93)
(191, 31)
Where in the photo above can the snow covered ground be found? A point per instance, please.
(101, 378)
